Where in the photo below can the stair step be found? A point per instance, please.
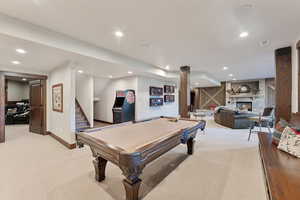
(81, 120)
(82, 127)
(82, 123)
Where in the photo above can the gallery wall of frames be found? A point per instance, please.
(159, 95)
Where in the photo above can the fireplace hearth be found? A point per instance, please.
(244, 105)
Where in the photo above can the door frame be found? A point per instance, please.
(3, 76)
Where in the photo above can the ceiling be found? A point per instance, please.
(203, 34)
(42, 59)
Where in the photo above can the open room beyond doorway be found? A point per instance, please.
(23, 101)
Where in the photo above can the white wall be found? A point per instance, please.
(99, 86)
(62, 124)
(103, 107)
(143, 110)
(295, 65)
(85, 95)
(17, 90)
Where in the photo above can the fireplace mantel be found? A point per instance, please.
(256, 94)
(245, 96)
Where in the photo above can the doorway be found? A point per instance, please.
(23, 101)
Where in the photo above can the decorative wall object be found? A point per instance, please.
(210, 97)
(250, 87)
(244, 89)
(156, 91)
(169, 98)
(156, 102)
(57, 97)
(169, 89)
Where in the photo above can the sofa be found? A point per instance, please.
(233, 119)
(18, 113)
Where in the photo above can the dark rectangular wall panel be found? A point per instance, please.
(283, 59)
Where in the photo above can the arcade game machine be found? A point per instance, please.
(124, 106)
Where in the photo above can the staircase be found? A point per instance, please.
(81, 120)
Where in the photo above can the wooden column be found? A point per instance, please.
(283, 58)
(2, 107)
(298, 49)
(197, 98)
(184, 92)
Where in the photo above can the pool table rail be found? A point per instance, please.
(100, 148)
(133, 163)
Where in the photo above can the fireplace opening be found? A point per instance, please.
(244, 105)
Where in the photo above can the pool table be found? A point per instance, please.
(131, 146)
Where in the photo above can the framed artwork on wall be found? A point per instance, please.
(169, 98)
(156, 91)
(169, 89)
(156, 102)
(57, 97)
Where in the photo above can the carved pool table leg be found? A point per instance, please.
(80, 144)
(190, 146)
(132, 188)
(100, 165)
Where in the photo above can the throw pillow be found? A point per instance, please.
(290, 142)
(279, 128)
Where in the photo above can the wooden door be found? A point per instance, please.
(36, 122)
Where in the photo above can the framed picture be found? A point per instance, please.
(156, 102)
(57, 97)
(156, 91)
(169, 98)
(169, 89)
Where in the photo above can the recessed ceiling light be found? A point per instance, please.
(225, 68)
(24, 79)
(110, 76)
(129, 72)
(234, 79)
(231, 75)
(167, 67)
(15, 62)
(22, 51)
(80, 71)
(119, 34)
(244, 34)
(196, 83)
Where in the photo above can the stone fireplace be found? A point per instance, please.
(254, 100)
(244, 105)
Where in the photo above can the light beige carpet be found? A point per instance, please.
(224, 167)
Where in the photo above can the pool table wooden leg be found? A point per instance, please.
(100, 165)
(190, 146)
(132, 188)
